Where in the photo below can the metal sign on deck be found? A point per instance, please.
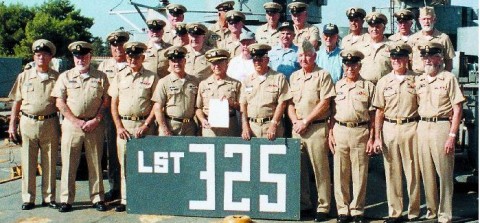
(214, 177)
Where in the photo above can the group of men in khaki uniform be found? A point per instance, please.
(380, 105)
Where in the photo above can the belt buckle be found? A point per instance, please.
(434, 119)
(259, 120)
(350, 124)
(134, 118)
(186, 120)
(399, 121)
(41, 117)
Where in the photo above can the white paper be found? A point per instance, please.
(218, 116)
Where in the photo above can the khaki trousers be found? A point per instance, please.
(73, 140)
(314, 146)
(433, 161)
(259, 130)
(131, 127)
(233, 130)
(400, 153)
(350, 166)
(44, 136)
(180, 128)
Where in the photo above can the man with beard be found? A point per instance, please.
(263, 98)
(395, 127)
(303, 30)
(404, 24)
(218, 86)
(312, 89)
(351, 138)
(176, 14)
(154, 55)
(39, 124)
(242, 65)
(111, 67)
(235, 20)
(440, 108)
(218, 31)
(175, 97)
(283, 56)
(269, 33)
(197, 65)
(356, 35)
(376, 63)
(81, 96)
(328, 56)
(427, 19)
(131, 91)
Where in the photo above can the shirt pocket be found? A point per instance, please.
(145, 90)
(74, 89)
(173, 96)
(360, 101)
(28, 92)
(272, 93)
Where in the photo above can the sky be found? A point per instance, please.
(105, 22)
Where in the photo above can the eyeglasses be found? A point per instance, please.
(233, 22)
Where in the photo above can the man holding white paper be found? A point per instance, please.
(218, 98)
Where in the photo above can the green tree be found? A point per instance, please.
(59, 22)
(13, 19)
(100, 48)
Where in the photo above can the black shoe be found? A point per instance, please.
(413, 219)
(120, 208)
(393, 220)
(343, 219)
(64, 207)
(359, 219)
(112, 195)
(50, 204)
(28, 206)
(100, 206)
(320, 216)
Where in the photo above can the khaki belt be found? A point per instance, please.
(260, 120)
(39, 117)
(183, 120)
(400, 121)
(351, 124)
(133, 118)
(435, 119)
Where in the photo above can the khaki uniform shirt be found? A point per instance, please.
(84, 96)
(211, 88)
(110, 68)
(262, 97)
(437, 97)
(396, 97)
(376, 63)
(34, 93)
(353, 101)
(309, 32)
(267, 36)
(232, 46)
(309, 89)
(197, 64)
(155, 60)
(169, 33)
(134, 92)
(349, 42)
(177, 97)
(438, 37)
(216, 36)
(397, 37)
